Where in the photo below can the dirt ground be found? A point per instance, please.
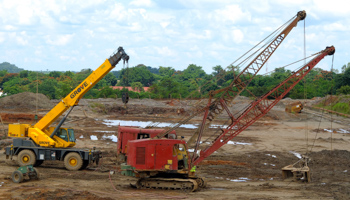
(248, 169)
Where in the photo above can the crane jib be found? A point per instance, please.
(78, 90)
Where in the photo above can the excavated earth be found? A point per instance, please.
(247, 168)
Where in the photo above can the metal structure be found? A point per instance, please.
(259, 107)
(216, 106)
(166, 163)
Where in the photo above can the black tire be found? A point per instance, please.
(17, 176)
(26, 157)
(73, 161)
(85, 164)
(38, 163)
(36, 174)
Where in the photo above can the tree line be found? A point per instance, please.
(167, 82)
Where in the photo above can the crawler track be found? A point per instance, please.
(167, 184)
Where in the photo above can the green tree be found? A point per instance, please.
(139, 73)
(3, 73)
(24, 74)
(217, 70)
(62, 90)
(14, 86)
(166, 71)
(192, 72)
(106, 92)
(55, 74)
(137, 86)
(6, 78)
(345, 89)
(48, 87)
(111, 80)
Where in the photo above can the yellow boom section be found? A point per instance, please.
(40, 133)
(73, 98)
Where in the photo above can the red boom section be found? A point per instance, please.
(260, 107)
(214, 108)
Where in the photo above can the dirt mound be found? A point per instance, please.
(25, 101)
(18, 117)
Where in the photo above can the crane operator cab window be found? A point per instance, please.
(62, 133)
(142, 136)
(71, 135)
(182, 158)
(66, 136)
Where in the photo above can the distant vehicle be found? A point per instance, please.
(295, 107)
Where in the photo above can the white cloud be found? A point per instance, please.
(2, 37)
(237, 36)
(165, 51)
(135, 26)
(175, 33)
(10, 28)
(25, 13)
(21, 41)
(231, 13)
(336, 26)
(335, 7)
(142, 3)
(59, 40)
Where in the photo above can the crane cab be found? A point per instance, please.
(65, 136)
(127, 133)
(150, 157)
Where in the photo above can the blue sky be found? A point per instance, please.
(73, 35)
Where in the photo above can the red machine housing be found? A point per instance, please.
(127, 133)
(156, 155)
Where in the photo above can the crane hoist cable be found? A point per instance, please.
(125, 93)
(332, 86)
(305, 96)
(319, 124)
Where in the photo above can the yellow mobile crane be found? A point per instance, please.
(35, 143)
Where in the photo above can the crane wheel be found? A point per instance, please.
(26, 157)
(17, 176)
(73, 161)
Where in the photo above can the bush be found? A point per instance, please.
(345, 89)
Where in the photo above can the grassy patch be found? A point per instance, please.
(342, 108)
(338, 104)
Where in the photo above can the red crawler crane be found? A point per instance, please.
(166, 163)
